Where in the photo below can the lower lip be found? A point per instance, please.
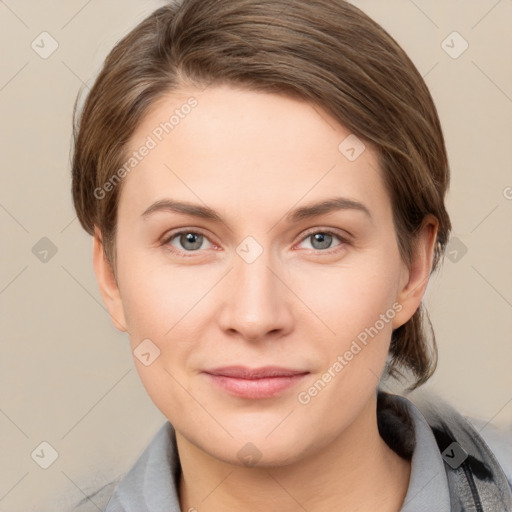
(255, 388)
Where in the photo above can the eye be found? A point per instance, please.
(322, 240)
(186, 241)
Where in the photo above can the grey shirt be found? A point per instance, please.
(152, 483)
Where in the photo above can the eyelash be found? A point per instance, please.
(187, 254)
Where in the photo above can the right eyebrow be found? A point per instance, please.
(194, 210)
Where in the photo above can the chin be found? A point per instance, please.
(261, 453)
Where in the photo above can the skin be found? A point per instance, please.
(253, 157)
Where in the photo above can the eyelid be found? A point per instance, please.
(180, 231)
(169, 235)
(343, 235)
(345, 240)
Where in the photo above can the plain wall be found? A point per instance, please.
(67, 375)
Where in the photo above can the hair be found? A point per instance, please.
(326, 52)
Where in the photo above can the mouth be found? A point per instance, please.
(257, 383)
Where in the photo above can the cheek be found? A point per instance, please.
(170, 307)
(159, 308)
(354, 356)
(156, 297)
(357, 306)
(347, 300)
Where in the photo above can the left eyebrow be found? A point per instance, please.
(327, 206)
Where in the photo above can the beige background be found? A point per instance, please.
(67, 374)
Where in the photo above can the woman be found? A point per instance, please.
(265, 185)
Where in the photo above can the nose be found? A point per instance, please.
(255, 302)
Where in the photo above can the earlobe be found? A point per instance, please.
(107, 283)
(416, 276)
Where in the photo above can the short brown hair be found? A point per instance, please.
(326, 52)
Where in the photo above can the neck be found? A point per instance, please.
(357, 471)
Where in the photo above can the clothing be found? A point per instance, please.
(479, 483)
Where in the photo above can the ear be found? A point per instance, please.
(415, 277)
(107, 282)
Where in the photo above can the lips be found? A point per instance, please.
(254, 383)
(241, 372)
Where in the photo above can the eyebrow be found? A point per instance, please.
(304, 212)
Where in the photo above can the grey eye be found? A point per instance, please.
(320, 240)
(191, 241)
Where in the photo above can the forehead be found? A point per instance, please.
(228, 146)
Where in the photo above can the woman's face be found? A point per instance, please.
(256, 233)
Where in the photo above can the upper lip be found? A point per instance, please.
(242, 372)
